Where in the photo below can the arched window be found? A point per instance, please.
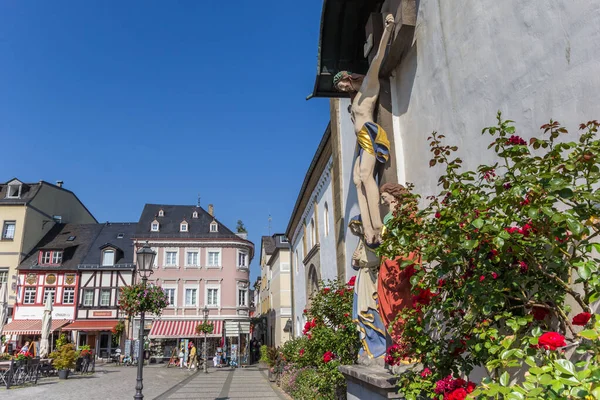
(313, 281)
(326, 220)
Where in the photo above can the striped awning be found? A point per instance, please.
(92, 325)
(182, 328)
(31, 326)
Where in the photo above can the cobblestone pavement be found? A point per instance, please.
(111, 382)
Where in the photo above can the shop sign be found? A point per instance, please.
(101, 313)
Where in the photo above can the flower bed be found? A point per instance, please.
(502, 248)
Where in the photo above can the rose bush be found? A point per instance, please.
(136, 298)
(329, 339)
(509, 251)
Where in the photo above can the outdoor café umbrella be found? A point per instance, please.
(3, 305)
(46, 324)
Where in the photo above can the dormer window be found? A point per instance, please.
(50, 257)
(108, 258)
(154, 227)
(195, 214)
(183, 227)
(120, 236)
(161, 213)
(214, 227)
(14, 189)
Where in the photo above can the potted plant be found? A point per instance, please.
(64, 359)
(85, 352)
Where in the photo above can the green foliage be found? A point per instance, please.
(499, 246)
(137, 298)
(264, 356)
(64, 357)
(61, 341)
(311, 362)
(204, 327)
(240, 228)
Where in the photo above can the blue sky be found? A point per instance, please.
(154, 102)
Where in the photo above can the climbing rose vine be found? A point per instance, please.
(510, 268)
(136, 298)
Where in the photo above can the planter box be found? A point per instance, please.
(63, 374)
(370, 382)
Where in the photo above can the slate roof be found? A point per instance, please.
(268, 243)
(198, 228)
(29, 191)
(74, 251)
(109, 237)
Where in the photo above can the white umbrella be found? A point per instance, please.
(46, 324)
(3, 305)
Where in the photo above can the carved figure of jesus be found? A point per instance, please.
(372, 139)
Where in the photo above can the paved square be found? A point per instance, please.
(161, 383)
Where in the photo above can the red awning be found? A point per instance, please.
(31, 326)
(182, 328)
(92, 325)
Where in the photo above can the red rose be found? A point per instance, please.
(328, 356)
(326, 290)
(301, 352)
(523, 265)
(346, 315)
(470, 387)
(582, 319)
(551, 341)
(516, 140)
(438, 215)
(456, 394)
(425, 373)
(539, 313)
(494, 275)
(352, 281)
(305, 311)
(424, 297)
(481, 278)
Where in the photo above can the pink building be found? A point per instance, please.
(199, 262)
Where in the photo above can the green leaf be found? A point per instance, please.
(594, 296)
(565, 193)
(545, 379)
(533, 212)
(504, 379)
(515, 396)
(575, 226)
(572, 381)
(470, 244)
(478, 223)
(565, 366)
(584, 272)
(590, 334)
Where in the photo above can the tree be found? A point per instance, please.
(240, 227)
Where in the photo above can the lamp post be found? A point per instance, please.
(145, 260)
(205, 311)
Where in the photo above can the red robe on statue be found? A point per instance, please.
(393, 288)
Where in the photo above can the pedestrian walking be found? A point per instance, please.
(181, 357)
(193, 362)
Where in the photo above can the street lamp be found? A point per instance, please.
(145, 260)
(205, 311)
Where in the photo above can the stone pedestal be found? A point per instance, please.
(370, 382)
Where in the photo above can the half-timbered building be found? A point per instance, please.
(107, 266)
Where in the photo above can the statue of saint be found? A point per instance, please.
(372, 139)
(393, 286)
(364, 308)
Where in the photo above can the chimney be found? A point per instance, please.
(59, 184)
(211, 210)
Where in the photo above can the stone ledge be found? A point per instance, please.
(372, 381)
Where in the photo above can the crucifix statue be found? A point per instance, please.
(374, 146)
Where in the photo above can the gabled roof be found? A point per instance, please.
(109, 237)
(198, 228)
(74, 251)
(30, 190)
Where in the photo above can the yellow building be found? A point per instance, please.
(27, 212)
(275, 290)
